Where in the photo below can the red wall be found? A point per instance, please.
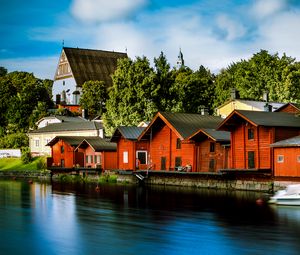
(289, 108)
(290, 167)
(131, 147)
(163, 144)
(204, 156)
(67, 156)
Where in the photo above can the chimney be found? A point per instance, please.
(203, 110)
(234, 94)
(266, 96)
(84, 113)
(268, 107)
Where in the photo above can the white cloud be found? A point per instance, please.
(266, 8)
(104, 10)
(233, 29)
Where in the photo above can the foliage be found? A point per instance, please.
(263, 72)
(94, 96)
(16, 164)
(14, 141)
(131, 96)
(3, 71)
(26, 155)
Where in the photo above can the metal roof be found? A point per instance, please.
(291, 142)
(129, 133)
(69, 126)
(72, 140)
(216, 135)
(87, 64)
(98, 144)
(187, 124)
(269, 119)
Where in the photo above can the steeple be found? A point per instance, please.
(180, 60)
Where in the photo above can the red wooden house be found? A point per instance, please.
(63, 152)
(98, 153)
(287, 157)
(168, 135)
(252, 133)
(212, 149)
(131, 153)
(289, 107)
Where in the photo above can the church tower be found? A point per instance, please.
(180, 60)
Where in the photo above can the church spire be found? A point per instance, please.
(180, 60)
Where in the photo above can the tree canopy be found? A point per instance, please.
(23, 100)
(263, 72)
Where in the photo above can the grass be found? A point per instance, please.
(16, 164)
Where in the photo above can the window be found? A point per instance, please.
(125, 157)
(280, 159)
(212, 147)
(250, 133)
(298, 158)
(178, 161)
(251, 159)
(178, 143)
(62, 149)
(212, 164)
(37, 142)
(86, 159)
(62, 163)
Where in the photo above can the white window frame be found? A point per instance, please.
(37, 143)
(142, 151)
(125, 157)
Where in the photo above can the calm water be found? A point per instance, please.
(68, 219)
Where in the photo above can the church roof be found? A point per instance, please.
(88, 64)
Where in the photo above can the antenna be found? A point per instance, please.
(63, 42)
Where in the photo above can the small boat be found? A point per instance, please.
(289, 196)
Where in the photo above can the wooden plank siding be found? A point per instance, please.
(130, 148)
(289, 166)
(63, 155)
(164, 145)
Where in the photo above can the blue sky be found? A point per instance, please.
(212, 33)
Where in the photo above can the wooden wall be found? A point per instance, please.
(163, 145)
(67, 155)
(289, 108)
(205, 157)
(290, 167)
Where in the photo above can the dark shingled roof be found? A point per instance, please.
(87, 64)
(218, 136)
(291, 142)
(129, 133)
(69, 126)
(72, 140)
(269, 119)
(187, 124)
(98, 144)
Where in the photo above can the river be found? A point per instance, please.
(41, 218)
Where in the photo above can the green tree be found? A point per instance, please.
(94, 96)
(3, 71)
(14, 141)
(131, 96)
(262, 72)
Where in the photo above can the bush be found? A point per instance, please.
(26, 155)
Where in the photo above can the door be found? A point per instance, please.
(141, 159)
(251, 159)
(163, 163)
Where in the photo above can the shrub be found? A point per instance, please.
(26, 156)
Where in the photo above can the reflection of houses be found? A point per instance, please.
(169, 145)
(42, 136)
(77, 151)
(212, 149)
(252, 132)
(132, 154)
(287, 157)
(77, 66)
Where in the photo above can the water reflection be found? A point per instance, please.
(77, 219)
